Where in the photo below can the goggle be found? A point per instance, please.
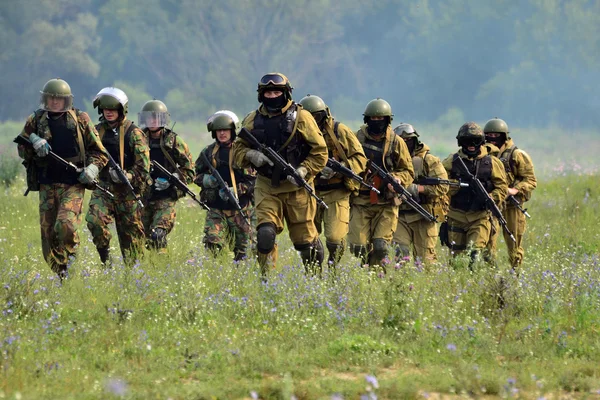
(272, 79)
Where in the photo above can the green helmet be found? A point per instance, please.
(470, 132)
(154, 114)
(406, 131)
(274, 81)
(223, 119)
(378, 108)
(313, 104)
(496, 125)
(111, 98)
(56, 89)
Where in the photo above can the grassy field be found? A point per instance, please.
(185, 326)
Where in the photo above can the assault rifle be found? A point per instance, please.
(400, 190)
(67, 164)
(426, 181)
(483, 194)
(121, 174)
(517, 204)
(279, 163)
(348, 173)
(178, 183)
(223, 185)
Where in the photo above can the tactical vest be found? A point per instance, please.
(336, 182)
(279, 133)
(110, 140)
(374, 150)
(509, 163)
(466, 199)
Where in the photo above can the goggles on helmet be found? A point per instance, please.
(272, 79)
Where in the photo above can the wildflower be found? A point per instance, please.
(451, 347)
(372, 380)
(116, 386)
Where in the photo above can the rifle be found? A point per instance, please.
(426, 181)
(348, 173)
(400, 190)
(123, 178)
(280, 163)
(67, 164)
(517, 204)
(482, 193)
(178, 183)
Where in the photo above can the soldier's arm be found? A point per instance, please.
(499, 181)
(140, 170)
(435, 169)
(183, 158)
(26, 152)
(240, 147)
(403, 170)
(524, 174)
(316, 159)
(201, 168)
(447, 164)
(94, 149)
(353, 148)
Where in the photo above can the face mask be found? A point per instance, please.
(377, 127)
(320, 118)
(498, 142)
(473, 153)
(276, 103)
(411, 144)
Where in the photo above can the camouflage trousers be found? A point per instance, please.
(414, 230)
(227, 228)
(516, 223)
(60, 216)
(158, 214)
(126, 214)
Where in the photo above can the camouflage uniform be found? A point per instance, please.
(294, 133)
(61, 194)
(373, 218)
(123, 209)
(469, 220)
(158, 215)
(412, 227)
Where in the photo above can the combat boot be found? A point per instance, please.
(104, 253)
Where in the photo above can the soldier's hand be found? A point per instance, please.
(41, 146)
(301, 171)
(413, 189)
(161, 184)
(512, 191)
(223, 194)
(89, 174)
(257, 158)
(328, 173)
(115, 177)
(209, 181)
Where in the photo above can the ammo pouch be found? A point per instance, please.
(444, 237)
(33, 184)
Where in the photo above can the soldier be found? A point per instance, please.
(69, 133)
(412, 227)
(127, 145)
(521, 183)
(469, 219)
(373, 217)
(170, 151)
(225, 224)
(286, 127)
(335, 190)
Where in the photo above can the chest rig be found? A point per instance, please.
(117, 143)
(466, 199)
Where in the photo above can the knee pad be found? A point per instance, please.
(159, 237)
(265, 238)
(380, 248)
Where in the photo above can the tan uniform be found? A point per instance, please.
(343, 146)
(521, 176)
(412, 227)
(285, 201)
(472, 227)
(373, 218)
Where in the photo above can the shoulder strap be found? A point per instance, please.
(166, 153)
(294, 108)
(336, 143)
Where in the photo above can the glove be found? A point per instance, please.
(209, 181)
(115, 177)
(89, 174)
(161, 184)
(223, 194)
(302, 171)
(328, 173)
(40, 145)
(257, 158)
(413, 189)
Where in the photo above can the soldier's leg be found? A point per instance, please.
(163, 220)
(299, 211)
(403, 236)
(426, 234)
(359, 235)
(337, 218)
(517, 223)
(128, 220)
(478, 234)
(216, 232)
(491, 248)
(68, 220)
(384, 225)
(242, 234)
(99, 216)
(48, 207)
(269, 219)
(457, 236)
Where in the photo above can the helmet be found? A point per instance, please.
(223, 119)
(313, 104)
(496, 125)
(470, 131)
(56, 88)
(274, 81)
(378, 108)
(111, 98)
(154, 114)
(405, 131)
